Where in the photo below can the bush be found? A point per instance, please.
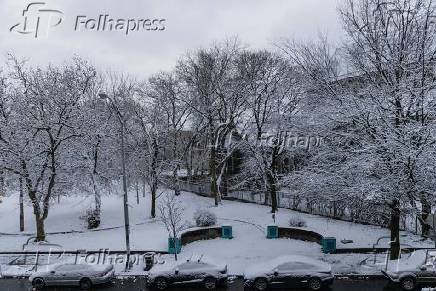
(204, 217)
(92, 218)
(297, 221)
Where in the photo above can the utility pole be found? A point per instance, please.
(123, 162)
(126, 202)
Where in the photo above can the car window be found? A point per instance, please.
(190, 266)
(72, 268)
(305, 266)
(25, 260)
(77, 268)
(63, 268)
(18, 261)
(287, 266)
(294, 266)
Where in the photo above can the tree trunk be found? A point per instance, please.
(177, 166)
(213, 175)
(137, 192)
(21, 204)
(271, 179)
(39, 219)
(97, 195)
(395, 229)
(143, 186)
(188, 164)
(176, 181)
(2, 184)
(426, 211)
(97, 198)
(40, 232)
(153, 201)
(272, 192)
(153, 178)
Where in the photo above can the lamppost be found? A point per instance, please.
(104, 96)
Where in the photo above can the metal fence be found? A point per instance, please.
(353, 210)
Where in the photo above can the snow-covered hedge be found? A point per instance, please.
(204, 217)
(297, 221)
(91, 218)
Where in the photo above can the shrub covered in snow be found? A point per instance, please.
(297, 221)
(204, 217)
(91, 218)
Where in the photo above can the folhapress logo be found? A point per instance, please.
(37, 20)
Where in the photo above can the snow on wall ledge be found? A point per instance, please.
(207, 233)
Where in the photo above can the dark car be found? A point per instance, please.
(201, 270)
(418, 270)
(289, 272)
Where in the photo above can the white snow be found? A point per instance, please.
(249, 245)
(264, 268)
(411, 263)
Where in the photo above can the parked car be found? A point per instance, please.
(199, 270)
(82, 275)
(418, 270)
(289, 272)
(21, 266)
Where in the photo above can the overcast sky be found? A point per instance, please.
(189, 24)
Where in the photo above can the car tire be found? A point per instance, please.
(315, 284)
(408, 284)
(38, 283)
(161, 283)
(260, 284)
(85, 284)
(210, 283)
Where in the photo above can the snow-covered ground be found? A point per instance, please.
(249, 245)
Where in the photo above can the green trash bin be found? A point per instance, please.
(226, 232)
(174, 245)
(329, 245)
(272, 231)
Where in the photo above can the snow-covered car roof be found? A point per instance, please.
(295, 258)
(262, 268)
(169, 264)
(412, 263)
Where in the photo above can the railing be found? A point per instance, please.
(353, 210)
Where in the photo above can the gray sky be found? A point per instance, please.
(189, 24)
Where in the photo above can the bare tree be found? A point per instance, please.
(394, 47)
(216, 98)
(4, 114)
(171, 214)
(152, 132)
(274, 94)
(166, 91)
(46, 117)
(381, 135)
